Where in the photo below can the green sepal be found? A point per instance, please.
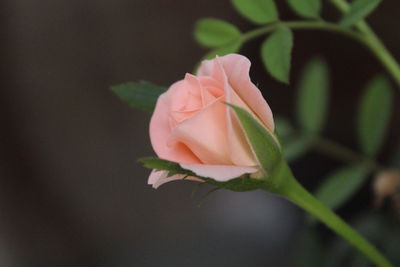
(239, 184)
(264, 144)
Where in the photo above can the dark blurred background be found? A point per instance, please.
(71, 191)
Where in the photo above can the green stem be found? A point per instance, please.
(372, 41)
(305, 25)
(284, 183)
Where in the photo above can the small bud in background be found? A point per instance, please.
(386, 184)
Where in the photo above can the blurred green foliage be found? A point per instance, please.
(257, 11)
(276, 53)
(306, 8)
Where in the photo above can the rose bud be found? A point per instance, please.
(192, 125)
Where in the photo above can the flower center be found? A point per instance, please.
(195, 93)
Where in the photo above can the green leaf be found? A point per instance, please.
(313, 94)
(141, 95)
(341, 185)
(276, 53)
(374, 115)
(264, 145)
(257, 11)
(222, 51)
(306, 8)
(359, 9)
(211, 32)
(240, 184)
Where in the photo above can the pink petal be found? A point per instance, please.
(212, 86)
(206, 68)
(158, 178)
(207, 88)
(237, 69)
(220, 173)
(205, 134)
(160, 130)
(192, 89)
(240, 151)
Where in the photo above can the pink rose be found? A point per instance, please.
(192, 125)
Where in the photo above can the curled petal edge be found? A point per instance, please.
(158, 178)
